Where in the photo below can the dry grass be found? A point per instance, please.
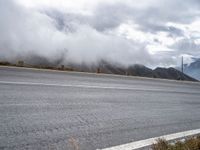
(21, 63)
(74, 144)
(5, 63)
(188, 144)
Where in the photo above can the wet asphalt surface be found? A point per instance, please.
(42, 110)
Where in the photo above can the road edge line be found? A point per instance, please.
(150, 141)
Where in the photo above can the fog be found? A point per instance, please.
(114, 32)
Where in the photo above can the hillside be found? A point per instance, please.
(193, 69)
(109, 68)
(136, 70)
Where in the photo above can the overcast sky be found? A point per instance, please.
(150, 32)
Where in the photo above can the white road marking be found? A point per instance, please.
(149, 142)
(93, 87)
(72, 85)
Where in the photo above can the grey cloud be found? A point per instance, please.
(110, 16)
(150, 19)
(104, 17)
(65, 21)
(187, 46)
(64, 37)
(24, 32)
(174, 31)
(29, 34)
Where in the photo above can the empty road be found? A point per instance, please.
(42, 110)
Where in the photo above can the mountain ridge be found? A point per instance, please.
(193, 69)
(136, 70)
(113, 68)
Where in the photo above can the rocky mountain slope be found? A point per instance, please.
(111, 68)
(193, 69)
(136, 70)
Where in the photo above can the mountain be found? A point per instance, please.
(171, 73)
(193, 69)
(113, 68)
(136, 70)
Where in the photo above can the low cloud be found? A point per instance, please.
(158, 36)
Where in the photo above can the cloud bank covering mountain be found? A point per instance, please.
(149, 32)
(193, 69)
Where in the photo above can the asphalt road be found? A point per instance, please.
(57, 110)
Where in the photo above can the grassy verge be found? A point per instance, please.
(22, 64)
(188, 144)
(5, 63)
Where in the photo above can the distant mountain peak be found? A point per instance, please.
(193, 69)
(138, 70)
